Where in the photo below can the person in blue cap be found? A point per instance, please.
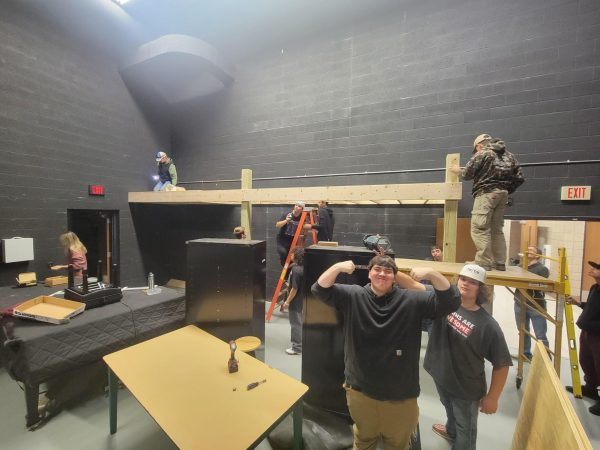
(167, 173)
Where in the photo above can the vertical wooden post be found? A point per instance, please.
(246, 220)
(450, 213)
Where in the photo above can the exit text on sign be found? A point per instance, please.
(576, 193)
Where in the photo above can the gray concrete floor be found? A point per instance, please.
(86, 426)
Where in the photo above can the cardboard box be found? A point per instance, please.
(27, 279)
(56, 281)
(48, 309)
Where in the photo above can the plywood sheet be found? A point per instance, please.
(546, 418)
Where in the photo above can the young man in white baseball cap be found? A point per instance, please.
(458, 345)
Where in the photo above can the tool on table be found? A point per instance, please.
(256, 383)
(232, 364)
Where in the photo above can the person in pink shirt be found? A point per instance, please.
(75, 251)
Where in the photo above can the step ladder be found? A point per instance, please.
(298, 241)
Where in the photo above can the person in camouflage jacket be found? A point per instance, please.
(496, 174)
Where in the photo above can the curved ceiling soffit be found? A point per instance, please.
(177, 68)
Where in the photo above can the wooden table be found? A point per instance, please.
(181, 379)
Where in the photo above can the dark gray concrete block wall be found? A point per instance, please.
(402, 91)
(66, 120)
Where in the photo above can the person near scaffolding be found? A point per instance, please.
(589, 339)
(540, 326)
(458, 345)
(382, 341)
(294, 300)
(287, 226)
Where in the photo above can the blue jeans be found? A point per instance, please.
(462, 419)
(160, 186)
(539, 327)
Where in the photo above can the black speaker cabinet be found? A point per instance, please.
(322, 338)
(225, 287)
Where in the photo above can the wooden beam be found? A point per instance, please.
(450, 212)
(246, 221)
(420, 193)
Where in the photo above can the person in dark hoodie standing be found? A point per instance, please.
(496, 174)
(589, 339)
(326, 222)
(167, 173)
(382, 341)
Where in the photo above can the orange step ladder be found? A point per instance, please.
(298, 241)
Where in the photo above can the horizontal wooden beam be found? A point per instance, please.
(416, 193)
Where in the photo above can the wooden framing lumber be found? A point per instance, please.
(450, 213)
(246, 219)
(416, 193)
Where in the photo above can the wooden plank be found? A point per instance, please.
(246, 220)
(450, 213)
(465, 249)
(420, 192)
(513, 276)
(546, 417)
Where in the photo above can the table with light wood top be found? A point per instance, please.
(181, 379)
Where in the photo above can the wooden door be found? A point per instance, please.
(590, 252)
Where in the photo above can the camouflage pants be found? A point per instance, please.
(487, 220)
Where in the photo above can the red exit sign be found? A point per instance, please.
(576, 193)
(96, 189)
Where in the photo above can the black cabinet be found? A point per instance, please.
(225, 287)
(323, 339)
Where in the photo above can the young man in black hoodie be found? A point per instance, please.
(382, 342)
(589, 340)
(326, 222)
(495, 173)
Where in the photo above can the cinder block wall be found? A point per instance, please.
(402, 91)
(66, 120)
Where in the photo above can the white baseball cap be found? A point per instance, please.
(160, 155)
(473, 271)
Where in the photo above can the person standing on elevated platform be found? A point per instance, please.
(382, 340)
(496, 174)
(458, 345)
(589, 339)
(537, 320)
(167, 173)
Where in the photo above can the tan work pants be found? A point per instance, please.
(487, 220)
(394, 421)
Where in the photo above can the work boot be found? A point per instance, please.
(586, 391)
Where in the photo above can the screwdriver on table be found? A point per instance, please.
(256, 383)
